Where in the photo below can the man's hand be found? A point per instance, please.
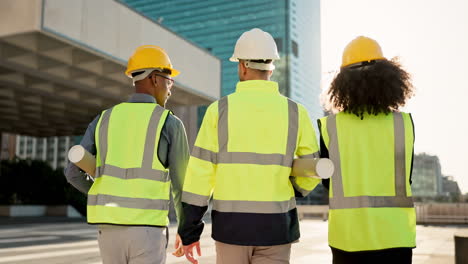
(179, 249)
(188, 250)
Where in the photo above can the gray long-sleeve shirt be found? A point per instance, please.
(173, 152)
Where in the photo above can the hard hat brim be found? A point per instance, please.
(174, 72)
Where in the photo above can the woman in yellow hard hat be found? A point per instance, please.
(371, 217)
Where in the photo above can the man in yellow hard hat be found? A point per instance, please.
(242, 158)
(371, 217)
(141, 152)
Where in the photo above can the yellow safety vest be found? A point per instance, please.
(132, 187)
(243, 154)
(371, 207)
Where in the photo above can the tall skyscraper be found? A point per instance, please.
(216, 25)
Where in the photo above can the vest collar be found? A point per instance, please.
(141, 98)
(257, 85)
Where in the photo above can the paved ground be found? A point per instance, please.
(75, 242)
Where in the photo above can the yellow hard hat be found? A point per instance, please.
(149, 57)
(361, 49)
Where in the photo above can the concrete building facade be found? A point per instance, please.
(62, 62)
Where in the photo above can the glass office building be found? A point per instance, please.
(427, 176)
(217, 24)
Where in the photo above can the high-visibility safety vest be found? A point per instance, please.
(371, 207)
(131, 187)
(243, 157)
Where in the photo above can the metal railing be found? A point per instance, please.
(441, 213)
(426, 213)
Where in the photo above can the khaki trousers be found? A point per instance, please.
(234, 254)
(132, 244)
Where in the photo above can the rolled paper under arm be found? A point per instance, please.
(314, 168)
(83, 159)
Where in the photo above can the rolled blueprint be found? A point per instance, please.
(313, 168)
(83, 159)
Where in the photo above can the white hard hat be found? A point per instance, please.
(256, 44)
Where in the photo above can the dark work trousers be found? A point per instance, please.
(386, 256)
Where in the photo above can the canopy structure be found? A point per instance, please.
(62, 62)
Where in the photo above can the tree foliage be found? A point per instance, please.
(34, 182)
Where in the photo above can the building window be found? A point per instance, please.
(279, 44)
(295, 49)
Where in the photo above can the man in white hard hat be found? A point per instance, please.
(242, 158)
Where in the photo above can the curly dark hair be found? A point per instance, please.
(381, 86)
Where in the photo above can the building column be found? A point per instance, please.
(17, 151)
(189, 116)
(44, 149)
(1, 145)
(54, 163)
(34, 148)
(12, 146)
(67, 147)
(1, 151)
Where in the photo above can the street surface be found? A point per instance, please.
(75, 242)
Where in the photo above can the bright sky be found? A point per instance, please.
(431, 39)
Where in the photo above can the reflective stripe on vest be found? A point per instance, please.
(224, 156)
(261, 207)
(339, 201)
(145, 172)
(136, 203)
